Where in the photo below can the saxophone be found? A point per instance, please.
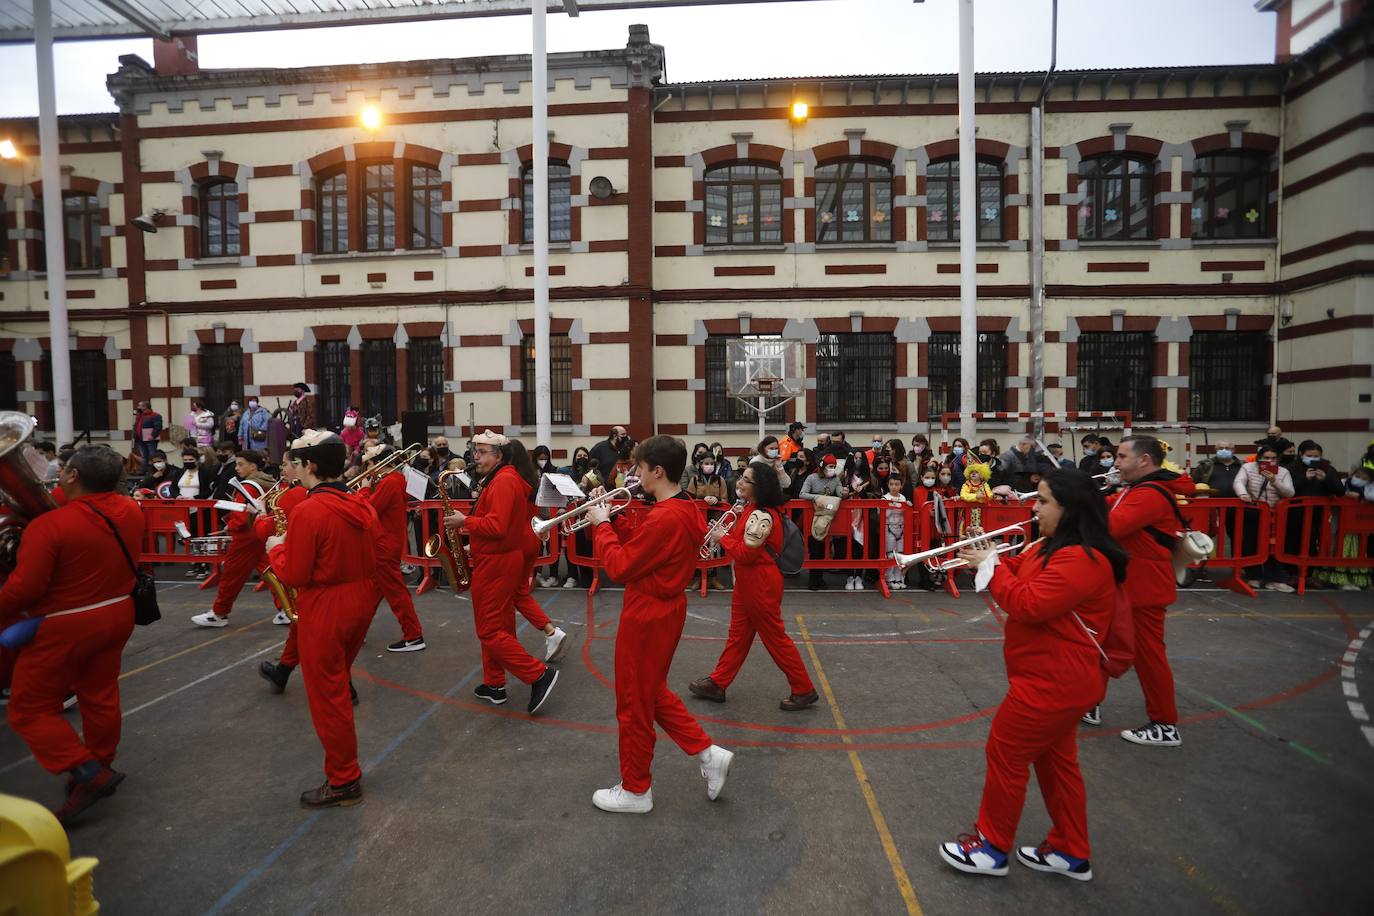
(285, 594)
(447, 547)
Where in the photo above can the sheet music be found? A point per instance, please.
(230, 506)
(252, 500)
(557, 490)
(417, 483)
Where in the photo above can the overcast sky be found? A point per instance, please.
(823, 37)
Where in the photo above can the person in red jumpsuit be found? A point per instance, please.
(388, 495)
(1055, 592)
(73, 574)
(265, 526)
(656, 561)
(756, 605)
(245, 548)
(1144, 518)
(500, 538)
(328, 556)
(555, 639)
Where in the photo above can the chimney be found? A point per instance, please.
(176, 57)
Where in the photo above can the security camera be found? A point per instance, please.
(148, 222)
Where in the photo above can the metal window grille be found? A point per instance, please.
(944, 372)
(9, 389)
(221, 371)
(426, 208)
(379, 207)
(90, 388)
(1231, 196)
(1226, 376)
(334, 369)
(331, 200)
(721, 406)
(1116, 372)
(1118, 198)
(854, 202)
(219, 219)
(425, 377)
(744, 205)
(560, 202)
(942, 201)
(856, 378)
(560, 379)
(379, 379)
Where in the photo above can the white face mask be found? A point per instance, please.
(918, 449)
(159, 465)
(927, 481)
(832, 472)
(234, 405)
(945, 480)
(771, 453)
(708, 469)
(252, 405)
(350, 422)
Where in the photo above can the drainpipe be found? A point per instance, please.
(1278, 261)
(1037, 227)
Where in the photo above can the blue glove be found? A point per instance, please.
(20, 634)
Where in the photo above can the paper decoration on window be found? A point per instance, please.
(1110, 214)
(742, 219)
(827, 217)
(989, 213)
(937, 215)
(769, 219)
(716, 220)
(1223, 212)
(1197, 213)
(1251, 215)
(851, 216)
(879, 216)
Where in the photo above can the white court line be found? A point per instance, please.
(1348, 684)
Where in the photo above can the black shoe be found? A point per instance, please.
(327, 796)
(540, 689)
(707, 689)
(68, 702)
(407, 645)
(277, 674)
(493, 695)
(81, 794)
(353, 693)
(798, 701)
(4, 696)
(816, 584)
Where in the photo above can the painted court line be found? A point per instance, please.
(196, 648)
(1253, 723)
(1349, 686)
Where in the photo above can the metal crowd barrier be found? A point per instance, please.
(1323, 532)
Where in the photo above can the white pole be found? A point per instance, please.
(762, 419)
(543, 392)
(968, 229)
(53, 243)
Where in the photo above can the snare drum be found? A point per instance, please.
(213, 546)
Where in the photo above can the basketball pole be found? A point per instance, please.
(539, 73)
(968, 230)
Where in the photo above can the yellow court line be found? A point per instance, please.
(894, 858)
(195, 648)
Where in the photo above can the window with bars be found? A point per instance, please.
(379, 379)
(744, 205)
(1116, 372)
(721, 405)
(560, 202)
(334, 369)
(331, 213)
(854, 202)
(219, 219)
(9, 386)
(379, 206)
(560, 379)
(425, 377)
(5, 264)
(1118, 198)
(1226, 375)
(81, 224)
(856, 378)
(221, 373)
(426, 207)
(944, 372)
(1231, 196)
(90, 388)
(942, 201)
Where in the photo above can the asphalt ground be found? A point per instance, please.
(839, 809)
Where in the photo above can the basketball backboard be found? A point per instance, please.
(767, 367)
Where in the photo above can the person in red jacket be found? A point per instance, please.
(73, 574)
(756, 604)
(1057, 594)
(655, 563)
(328, 556)
(388, 494)
(265, 526)
(1144, 518)
(501, 542)
(245, 548)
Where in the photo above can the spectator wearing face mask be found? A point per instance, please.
(1263, 481)
(960, 456)
(1106, 461)
(1092, 447)
(822, 446)
(1057, 456)
(826, 481)
(709, 486)
(1313, 474)
(161, 472)
(989, 453)
(607, 452)
(769, 451)
(792, 443)
(1358, 488)
(699, 451)
(727, 470)
(839, 446)
(1022, 463)
(224, 470)
(920, 450)
(895, 524)
(1219, 471)
(253, 426)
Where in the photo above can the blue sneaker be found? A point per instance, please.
(1046, 858)
(975, 855)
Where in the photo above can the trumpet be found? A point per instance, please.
(906, 560)
(720, 525)
(390, 463)
(575, 520)
(448, 547)
(1109, 479)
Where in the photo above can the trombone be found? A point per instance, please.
(928, 557)
(390, 463)
(721, 525)
(575, 520)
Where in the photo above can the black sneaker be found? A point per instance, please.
(4, 696)
(327, 796)
(493, 695)
(277, 674)
(1048, 859)
(407, 645)
(68, 702)
(1154, 735)
(1093, 717)
(540, 689)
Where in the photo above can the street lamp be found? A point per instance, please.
(800, 110)
(8, 150)
(371, 117)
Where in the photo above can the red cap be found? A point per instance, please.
(828, 459)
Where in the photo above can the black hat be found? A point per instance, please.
(795, 425)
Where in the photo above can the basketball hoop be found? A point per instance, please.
(765, 384)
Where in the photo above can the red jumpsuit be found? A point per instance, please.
(756, 608)
(328, 557)
(1150, 581)
(389, 499)
(244, 557)
(529, 608)
(1055, 673)
(264, 526)
(69, 561)
(655, 563)
(499, 534)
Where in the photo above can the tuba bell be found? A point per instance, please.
(22, 488)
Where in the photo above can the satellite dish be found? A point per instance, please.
(601, 187)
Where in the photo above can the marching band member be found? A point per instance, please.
(328, 556)
(264, 527)
(388, 496)
(1054, 593)
(245, 547)
(756, 605)
(71, 573)
(499, 536)
(655, 563)
(555, 639)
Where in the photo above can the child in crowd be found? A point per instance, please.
(896, 527)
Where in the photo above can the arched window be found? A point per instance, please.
(1231, 196)
(379, 206)
(560, 202)
(426, 207)
(744, 204)
(219, 219)
(942, 201)
(854, 202)
(331, 213)
(1118, 198)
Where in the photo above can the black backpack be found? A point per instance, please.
(793, 553)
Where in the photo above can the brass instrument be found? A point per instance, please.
(448, 547)
(905, 560)
(721, 526)
(285, 594)
(393, 462)
(1110, 479)
(22, 472)
(575, 520)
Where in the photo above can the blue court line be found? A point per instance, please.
(251, 877)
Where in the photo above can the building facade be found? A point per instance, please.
(1207, 255)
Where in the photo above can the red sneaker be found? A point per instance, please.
(81, 795)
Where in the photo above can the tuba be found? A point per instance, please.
(22, 487)
(448, 548)
(285, 594)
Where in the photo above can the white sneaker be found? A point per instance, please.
(210, 619)
(555, 645)
(618, 801)
(1280, 587)
(281, 619)
(858, 583)
(715, 768)
(849, 584)
(551, 582)
(570, 582)
(1349, 587)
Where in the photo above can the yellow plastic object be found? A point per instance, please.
(38, 876)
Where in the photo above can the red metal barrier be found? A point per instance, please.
(429, 514)
(958, 517)
(1322, 531)
(163, 544)
(1230, 523)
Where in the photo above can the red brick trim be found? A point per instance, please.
(1330, 173)
(218, 284)
(1209, 266)
(1118, 267)
(753, 270)
(954, 268)
(555, 270)
(1339, 243)
(1328, 136)
(1326, 326)
(850, 269)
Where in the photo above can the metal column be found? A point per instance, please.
(543, 392)
(968, 230)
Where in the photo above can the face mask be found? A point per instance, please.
(832, 471)
(958, 450)
(927, 482)
(189, 465)
(708, 469)
(234, 405)
(884, 472)
(350, 422)
(985, 455)
(771, 453)
(945, 480)
(1090, 452)
(918, 449)
(159, 465)
(1357, 484)
(1224, 454)
(1310, 460)
(1108, 461)
(252, 405)
(877, 445)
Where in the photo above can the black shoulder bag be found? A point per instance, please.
(145, 588)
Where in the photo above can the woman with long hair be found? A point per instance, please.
(756, 604)
(1059, 595)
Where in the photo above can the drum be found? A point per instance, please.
(213, 546)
